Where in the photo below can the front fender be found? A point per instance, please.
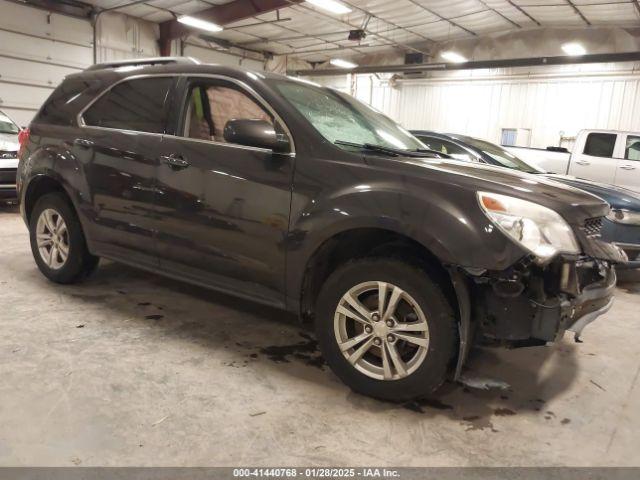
(451, 226)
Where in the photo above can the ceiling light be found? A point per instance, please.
(338, 62)
(330, 6)
(198, 23)
(453, 57)
(573, 49)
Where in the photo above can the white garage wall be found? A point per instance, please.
(546, 100)
(37, 51)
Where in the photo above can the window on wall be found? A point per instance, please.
(138, 105)
(632, 148)
(600, 144)
(509, 137)
(211, 106)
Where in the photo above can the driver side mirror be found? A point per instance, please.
(255, 133)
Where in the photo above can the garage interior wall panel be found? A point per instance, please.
(121, 37)
(547, 101)
(544, 100)
(37, 50)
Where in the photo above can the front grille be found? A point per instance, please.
(592, 227)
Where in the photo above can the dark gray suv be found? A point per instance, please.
(293, 195)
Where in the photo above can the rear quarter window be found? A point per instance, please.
(138, 105)
(63, 104)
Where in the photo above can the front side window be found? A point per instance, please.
(138, 105)
(600, 144)
(339, 117)
(632, 148)
(211, 106)
(7, 125)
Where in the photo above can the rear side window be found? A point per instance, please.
(62, 107)
(600, 144)
(138, 105)
(632, 149)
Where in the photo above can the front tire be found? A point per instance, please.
(385, 329)
(57, 241)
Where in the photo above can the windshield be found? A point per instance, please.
(501, 156)
(341, 118)
(7, 125)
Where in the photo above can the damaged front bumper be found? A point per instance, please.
(538, 304)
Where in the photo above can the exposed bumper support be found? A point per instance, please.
(582, 322)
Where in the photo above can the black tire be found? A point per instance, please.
(429, 296)
(79, 263)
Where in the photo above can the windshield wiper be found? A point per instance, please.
(394, 152)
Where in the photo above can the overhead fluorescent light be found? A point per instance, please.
(198, 23)
(574, 49)
(330, 6)
(338, 62)
(453, 57)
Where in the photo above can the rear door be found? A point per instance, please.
(119, 146)
(223, 208)
(628, 165)
(595, 159)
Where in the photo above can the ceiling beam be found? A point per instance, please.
(223, 14)
(69, 8)
(524, 12)
(451, 22)
(577, 10)
(513, 62)
(517, 25)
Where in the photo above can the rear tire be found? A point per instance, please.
(407, 351)
(57, 240)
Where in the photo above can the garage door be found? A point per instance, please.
(37, 50)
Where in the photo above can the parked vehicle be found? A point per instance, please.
(301, 197)
(621, 226)
(8, 156)
(604, 156)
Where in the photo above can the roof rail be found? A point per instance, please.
(135, 62)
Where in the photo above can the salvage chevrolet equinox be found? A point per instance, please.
(300, 197)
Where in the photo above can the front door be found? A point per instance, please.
(595, 161)
(628, 166)
(223, 208)
(118, 145)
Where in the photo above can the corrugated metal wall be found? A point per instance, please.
(545, 100)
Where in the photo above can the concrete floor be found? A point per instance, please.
(133, 369)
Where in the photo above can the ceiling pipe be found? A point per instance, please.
(513, 62)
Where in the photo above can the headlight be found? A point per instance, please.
(538, 229)
(624, 216)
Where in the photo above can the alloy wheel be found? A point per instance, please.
(381, 330)
(52, 238)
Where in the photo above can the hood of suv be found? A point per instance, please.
(575, 205)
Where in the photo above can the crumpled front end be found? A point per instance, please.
(532, 303)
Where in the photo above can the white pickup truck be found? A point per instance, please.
(606, 156)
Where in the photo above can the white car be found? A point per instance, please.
(8, 156)
(605, 156)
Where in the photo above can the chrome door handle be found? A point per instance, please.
(175, 162)
(627, 167)
(83, 142)
(583, 162)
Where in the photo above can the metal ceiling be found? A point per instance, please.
(305, 31)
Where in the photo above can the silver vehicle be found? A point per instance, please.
(8, 156)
